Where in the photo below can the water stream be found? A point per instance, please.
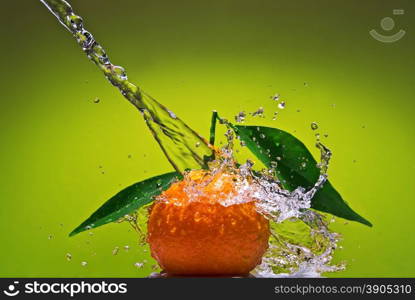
(183, 147)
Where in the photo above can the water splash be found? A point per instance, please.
(301, 244)
(176, 139)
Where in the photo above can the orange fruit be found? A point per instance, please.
(200, 226)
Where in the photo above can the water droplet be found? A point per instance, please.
(240, 117)
(303, 165)
(314, 126)
(138, 265)
(243, 144)
(130, 156)
(275, 115)
(115, 250)
(68, 256)
(96, 100)
(278, 158)
(197, 145)
(326, 135)
(281, 105)
(276, 97)
(298, 110)
(259, 112)
(126, 247)
(262, 136)
(172, 114)
(84, 263)
(90, 233)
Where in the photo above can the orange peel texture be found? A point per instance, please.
(192, 231)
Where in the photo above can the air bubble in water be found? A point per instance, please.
(119, 72)
(281, 105)
(76, 21)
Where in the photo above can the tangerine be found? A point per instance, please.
(203, 225)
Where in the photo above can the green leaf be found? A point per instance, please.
(295, 167)
(127, 201)
(213, 127)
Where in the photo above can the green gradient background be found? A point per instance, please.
(196, 56)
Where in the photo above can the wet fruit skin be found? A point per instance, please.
(197, 235)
